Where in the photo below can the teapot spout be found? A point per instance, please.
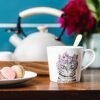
(15, 40)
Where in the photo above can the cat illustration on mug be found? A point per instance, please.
(67, 66)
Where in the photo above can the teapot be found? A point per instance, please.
(33, 47)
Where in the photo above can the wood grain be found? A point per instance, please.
(41, 88)
(40, 68)
(90, 80)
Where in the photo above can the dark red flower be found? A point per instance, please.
(78, 17)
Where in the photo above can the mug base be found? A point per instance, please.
(59, 82)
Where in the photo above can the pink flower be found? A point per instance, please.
(78, 17)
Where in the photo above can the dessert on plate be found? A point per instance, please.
(13, 72)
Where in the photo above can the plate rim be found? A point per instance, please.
(18, 79)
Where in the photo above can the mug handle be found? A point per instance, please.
(91, 54)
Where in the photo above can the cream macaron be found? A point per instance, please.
(19, 71)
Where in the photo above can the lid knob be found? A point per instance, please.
(42, 28)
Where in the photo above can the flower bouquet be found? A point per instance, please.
(78, 18)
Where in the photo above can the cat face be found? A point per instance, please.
(67, 65)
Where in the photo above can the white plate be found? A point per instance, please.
(28, 76)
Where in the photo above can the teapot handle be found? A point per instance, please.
(40, 10)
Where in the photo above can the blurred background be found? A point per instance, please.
(9, 13)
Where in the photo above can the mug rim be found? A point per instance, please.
(65, 47)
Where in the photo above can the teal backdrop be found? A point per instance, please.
(9, 10)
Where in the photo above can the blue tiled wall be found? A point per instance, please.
(9, 10)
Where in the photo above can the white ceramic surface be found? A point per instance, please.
(5, 56)
(28, 76)
(65, 63)
(33, 47)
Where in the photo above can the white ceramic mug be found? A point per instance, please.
(5, 56)
(65, 63)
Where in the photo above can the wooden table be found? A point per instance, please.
(40, 88)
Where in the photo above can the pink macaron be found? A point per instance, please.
(7, 73)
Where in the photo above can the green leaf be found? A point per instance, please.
(94, 6)
(95, 16)
(91, 5)
(96, 3)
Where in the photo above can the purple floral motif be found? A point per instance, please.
(67, 66)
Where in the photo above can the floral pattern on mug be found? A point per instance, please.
(67, 66)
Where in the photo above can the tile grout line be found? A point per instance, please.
(28, 25)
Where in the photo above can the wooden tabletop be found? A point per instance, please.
(41, 87)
